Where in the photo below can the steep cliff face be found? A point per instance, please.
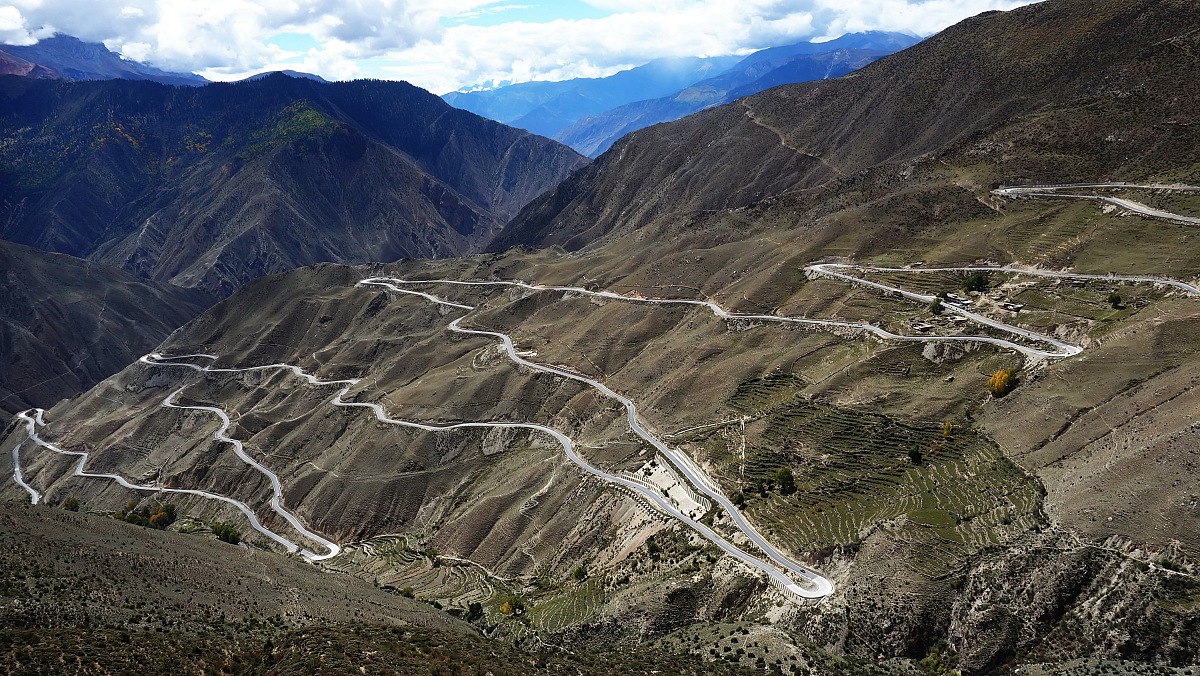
(210, 187)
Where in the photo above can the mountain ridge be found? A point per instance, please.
(591, 113)
(594, 135)
(810, 134)
(211, 186)
(67, 57)
(546, 106)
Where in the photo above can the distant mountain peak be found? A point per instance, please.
(66, 57)
(721, 82)
(295, 74)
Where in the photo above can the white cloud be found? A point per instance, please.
(427, 42)
(13, 30)
(640, 30)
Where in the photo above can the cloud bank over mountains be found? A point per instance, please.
(444, 45)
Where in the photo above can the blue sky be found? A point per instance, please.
(444, 45)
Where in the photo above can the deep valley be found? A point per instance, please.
(889, 373)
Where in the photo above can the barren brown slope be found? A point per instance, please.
(136, 600)
(1058, 91)
(474, 516)
(67, 324)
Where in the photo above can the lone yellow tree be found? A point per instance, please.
(1002, 382)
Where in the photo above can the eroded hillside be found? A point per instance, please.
(911, 483)
(67, 324)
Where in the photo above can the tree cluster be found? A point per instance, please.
(1002, 382)
(226, 533)
(977, 282)
(781, 479)
(514, 605)
(159, 516)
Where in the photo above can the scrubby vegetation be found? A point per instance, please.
(158, 516)
(333, 649)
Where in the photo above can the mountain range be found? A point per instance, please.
(1029, 103)
(69, 58)
(589, 114)
(209, 187)
(787, 317)
(544, 107)
(802, 62)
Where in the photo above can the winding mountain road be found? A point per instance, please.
(31, 423)
(222, 434)
(812, 585)
(1019, 270)
(1053, 191)
(276, 487)
(829, 269)
(789, 575)
(1060, 349)
(34, 496)
(683, 463)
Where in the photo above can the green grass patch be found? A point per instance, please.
(299, 122)
(934, 517)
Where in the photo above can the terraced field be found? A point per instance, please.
(568, 607)
(930, 282)
(398, 562)
(951, 491)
